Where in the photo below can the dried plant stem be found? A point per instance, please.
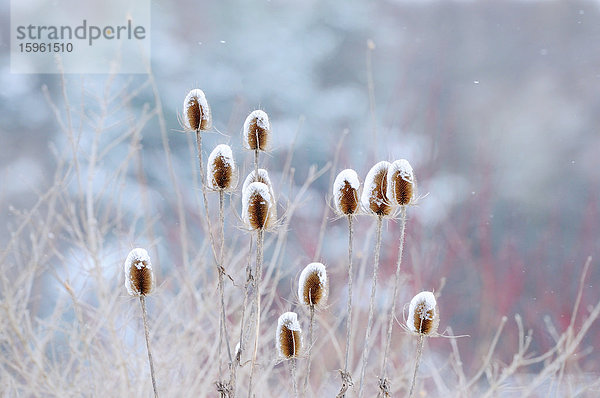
(147, 333)
(257, 278)
(203, 186)
(293, 375)
(238, 355)
(394, 296)
(365, 353)
(310, 345)
(221, 274)
(256, 162)
(346, 378)
(420, 343)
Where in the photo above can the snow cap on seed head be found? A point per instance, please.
(401, 183)
(222, 172)
(257, 131)
(374, 199)
(256, 206)
(196, 112)
(288, 335)
(345, 192)
(313, 285)
(263, 176)
(423, 317)
(139, 278)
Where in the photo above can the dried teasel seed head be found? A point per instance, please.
(257, 131)
(313, 285)
(263, 176)
(374, 199)
(139, 279)
(196, 112)
(345, 192)
(256, 206)
(423, 317)
(288, 336)
(401, 183)
(222, 172)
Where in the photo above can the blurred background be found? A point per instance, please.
(496, 104)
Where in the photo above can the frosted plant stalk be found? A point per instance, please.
(139, 281)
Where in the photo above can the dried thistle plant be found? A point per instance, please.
(313, 288)
(347, 204)
(263, 176)
(423, 320)
(139, 281)
(374, 202)
(288, 339)
(256, 134)
(257, 201)
(222, 177)
(401, 191)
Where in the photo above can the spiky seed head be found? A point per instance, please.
(263, 176)
(423, 317)
(139, 278)
(401, 183)
(257, 131)
(288, 336)
(256, 206)
(222, 172)
(345, 192)
(196, 112)
(313, 285)
(374, 199)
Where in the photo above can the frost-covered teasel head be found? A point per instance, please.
(313, 285)
(139, 278)
(374, 198)
(256, 206)
(401, 183)
(345, 192)
(288, 336)
(196, 112)
(423, 317)
(263, 176)
(222, 171)
(257, 131)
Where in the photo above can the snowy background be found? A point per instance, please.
(495, 104)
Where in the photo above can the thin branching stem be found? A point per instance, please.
(147, 334)
(365, 353)
(394, 295)
(420, 343)
(344, 374)
(257, 278)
